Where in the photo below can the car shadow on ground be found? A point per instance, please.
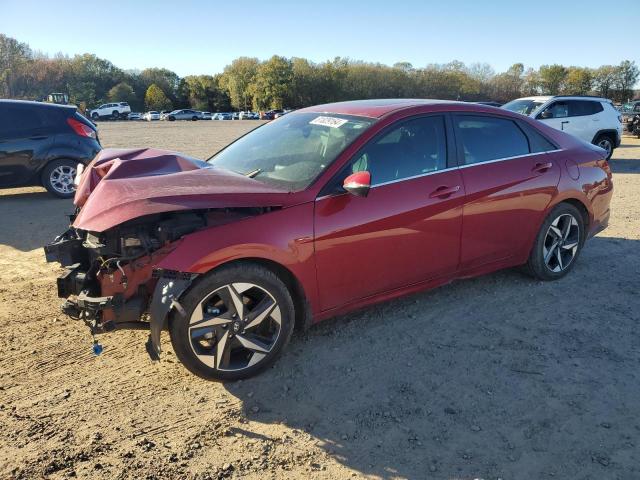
(32, 219)
(496, 376)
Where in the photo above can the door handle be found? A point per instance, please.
(542, 167)
(444, 191)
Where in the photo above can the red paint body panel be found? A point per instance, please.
(347, 251)
(505, 203)
(282, 236)
(398, 235)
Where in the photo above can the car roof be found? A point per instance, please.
(381, 107)
(544, 98)
(541, 98)
(37, 104)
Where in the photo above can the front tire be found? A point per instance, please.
(58, 176)
(238, 320)
(558, 243)
(605, 142)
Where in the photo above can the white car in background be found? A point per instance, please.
(152, 115)
(592, 119)
(111, 110)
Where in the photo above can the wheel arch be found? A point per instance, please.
(302, 307)
(609, 132)
(582, 208)
(571, 198)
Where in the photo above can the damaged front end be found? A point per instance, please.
(111, 280)
(133, 207)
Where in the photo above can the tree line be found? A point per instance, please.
(280, 82)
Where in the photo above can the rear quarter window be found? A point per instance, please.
(537, 141)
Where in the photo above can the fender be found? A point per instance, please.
(80, 153)
(284, 237)
(609, 131)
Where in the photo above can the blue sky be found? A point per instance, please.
(193, 37)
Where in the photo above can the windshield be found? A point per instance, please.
(292, 151)
(524, 107)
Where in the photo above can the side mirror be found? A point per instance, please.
(546, 114)
(358, 183)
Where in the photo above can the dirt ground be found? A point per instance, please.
(495, 377)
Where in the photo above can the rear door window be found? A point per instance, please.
(582, 108)
(484, 138)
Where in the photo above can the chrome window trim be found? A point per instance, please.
(413, 177)
(457, 167)
(508, 158)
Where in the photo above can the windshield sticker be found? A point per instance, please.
(332, 122)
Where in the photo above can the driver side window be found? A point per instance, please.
(557, 110)
(414, 148)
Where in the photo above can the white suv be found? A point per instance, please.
(592, 119)
(111, 110)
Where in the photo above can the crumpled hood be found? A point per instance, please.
(123, 184)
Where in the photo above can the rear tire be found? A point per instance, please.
(605, 141)
(58, 176)
(558, 244)
(249, 340)
(194, 119)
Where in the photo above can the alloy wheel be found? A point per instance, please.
(235, 327)
(561, 243)
(605, 143)
(61, 179)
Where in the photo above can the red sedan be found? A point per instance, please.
(322, 211)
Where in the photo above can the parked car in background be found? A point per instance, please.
(222, 116)
(184, 114)
(281, 114)
(42, 144)
(592, 119)
(134, 116)
(151, 116)
(296, 220)
(246, 116)
(205, 115)
(269, 115)
(629, 112)
(113, 111)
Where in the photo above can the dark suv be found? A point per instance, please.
(42, 143)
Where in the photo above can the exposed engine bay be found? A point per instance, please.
(112, 280)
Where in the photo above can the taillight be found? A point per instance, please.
(81, 129)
